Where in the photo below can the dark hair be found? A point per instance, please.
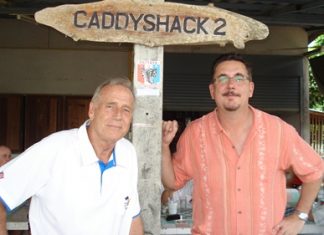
(229, 57)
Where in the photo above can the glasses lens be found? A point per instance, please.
(239, 78)
(222, 79)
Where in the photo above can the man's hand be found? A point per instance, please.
(290, 225)
(169, 130)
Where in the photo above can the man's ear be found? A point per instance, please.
(251, 89)
(212, 91)
(91, 110)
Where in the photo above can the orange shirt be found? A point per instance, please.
(244, 194)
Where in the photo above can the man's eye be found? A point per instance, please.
(223, 79)
(239, 78)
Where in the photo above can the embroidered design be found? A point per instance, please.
(301, 158)
(204, 171)
(261, 146)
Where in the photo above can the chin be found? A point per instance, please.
(231, 108)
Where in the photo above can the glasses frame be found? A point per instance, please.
(224, 79)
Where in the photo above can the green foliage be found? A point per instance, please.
(316, 98)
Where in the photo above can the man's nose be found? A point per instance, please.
(231, 82)
(118, 112)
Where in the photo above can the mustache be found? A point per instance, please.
(231, 93)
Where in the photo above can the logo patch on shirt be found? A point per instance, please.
(126, 203)
(1, 175)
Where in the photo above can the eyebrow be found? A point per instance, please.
(222, 74)
(116, 103)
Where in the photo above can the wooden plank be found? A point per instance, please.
(11, 122)
(152, 23)
(41, 117)
(76, 111)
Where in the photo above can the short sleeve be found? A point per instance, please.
(305, 162)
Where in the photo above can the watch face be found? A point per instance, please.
(303, 216)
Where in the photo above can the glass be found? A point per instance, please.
(237, 79)
(172, 207)
(183, 203)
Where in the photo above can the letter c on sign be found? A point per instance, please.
(76, 24)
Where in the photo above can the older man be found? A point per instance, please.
(82, 181)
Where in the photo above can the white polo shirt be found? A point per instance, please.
(71, 193)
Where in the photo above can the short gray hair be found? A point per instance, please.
(123, 81)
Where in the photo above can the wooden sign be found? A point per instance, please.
(152, 24)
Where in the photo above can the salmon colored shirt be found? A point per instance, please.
(244, 194)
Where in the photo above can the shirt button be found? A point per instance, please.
(239, 212)
(238, 167)
(239, 189)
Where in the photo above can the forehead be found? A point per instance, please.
(116, 92)
(230, 67)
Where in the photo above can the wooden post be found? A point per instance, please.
(146, 133)
(304, 106)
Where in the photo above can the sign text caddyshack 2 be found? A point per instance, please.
(151, 23)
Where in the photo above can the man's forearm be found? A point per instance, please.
(168, 178)
(308, 194)
(137, 227)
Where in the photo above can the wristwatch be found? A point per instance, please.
(301, 215)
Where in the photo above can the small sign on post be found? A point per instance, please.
(152, 23)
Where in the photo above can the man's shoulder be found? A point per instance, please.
(206, 117)
(125, 145)
(61, 136)
(271, 119)
(125, 142)
(64, 133)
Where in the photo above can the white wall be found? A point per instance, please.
(32, 71)
(38, 60)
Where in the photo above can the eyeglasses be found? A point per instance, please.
(223, 79)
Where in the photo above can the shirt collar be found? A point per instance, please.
(88, 155)
(220, 129)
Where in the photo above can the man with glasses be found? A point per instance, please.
(237, 157)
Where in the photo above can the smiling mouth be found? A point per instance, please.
(115, 127)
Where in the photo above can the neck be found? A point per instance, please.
(237, 126)
(103, 149)
(235, 120)
(104, 154)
